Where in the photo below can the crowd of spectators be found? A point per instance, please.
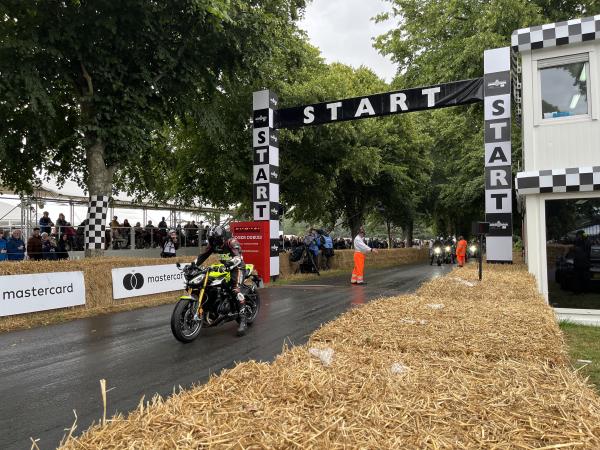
(290, 242)
(320, 246)
(54, 240)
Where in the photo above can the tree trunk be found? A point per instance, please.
(354, 223)
(99, 184)
(408, 233)
(389, 233)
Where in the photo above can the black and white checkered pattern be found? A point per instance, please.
(554, 34)
(578, 179)
(265, 172)
(96, 226)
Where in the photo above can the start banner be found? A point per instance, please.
(20, 294)
(146, 280)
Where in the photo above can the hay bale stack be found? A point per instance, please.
(397, 373)
(344, 259)
(503, 317)
(98, 287)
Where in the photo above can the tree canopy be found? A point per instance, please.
(438, 41)
(88, 87)
(154, 98)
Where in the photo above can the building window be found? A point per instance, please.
(564, 86)
(573, 252)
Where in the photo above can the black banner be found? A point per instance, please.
(397, 102)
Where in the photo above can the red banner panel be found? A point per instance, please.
(254, 239)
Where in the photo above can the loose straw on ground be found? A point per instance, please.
(488, 370)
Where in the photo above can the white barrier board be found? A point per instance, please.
(20, 294)
(146, 280)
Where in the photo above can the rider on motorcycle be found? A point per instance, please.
(217, 243)
(436, 244)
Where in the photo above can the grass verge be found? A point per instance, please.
(583, 343)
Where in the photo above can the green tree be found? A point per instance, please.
(88, 87)
(212, 149)
(439, 41)
(346, 169)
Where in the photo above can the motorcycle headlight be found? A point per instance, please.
(197, 280)
(473, 248)
(437, 250)
(447, 249)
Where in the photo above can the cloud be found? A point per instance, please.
(344, 32)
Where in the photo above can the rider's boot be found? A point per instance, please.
(243, 325)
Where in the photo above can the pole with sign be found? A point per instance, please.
(265, 175)
(480, 229)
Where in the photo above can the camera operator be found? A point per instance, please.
(170, 246)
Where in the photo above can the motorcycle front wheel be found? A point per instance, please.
(184, 327)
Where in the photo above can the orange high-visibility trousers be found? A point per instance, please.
(461, 260)
(358, 272)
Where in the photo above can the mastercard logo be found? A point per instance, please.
(133, 281)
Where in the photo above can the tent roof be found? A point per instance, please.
(71, 192)
(9, 212)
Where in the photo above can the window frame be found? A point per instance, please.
(546, 61)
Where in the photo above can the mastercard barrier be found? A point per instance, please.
(146, 280)
(20, 294)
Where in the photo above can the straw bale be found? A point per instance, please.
(465, 382)
(502, 317)
(344, 259)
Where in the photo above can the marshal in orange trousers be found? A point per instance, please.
(358, 273)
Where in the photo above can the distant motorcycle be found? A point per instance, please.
(436, 255)
(210, 300)
(473, 251)
(448, 257)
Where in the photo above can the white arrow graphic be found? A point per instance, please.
(497, 83)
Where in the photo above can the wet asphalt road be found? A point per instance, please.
(48, 372)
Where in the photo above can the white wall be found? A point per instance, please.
(564, 142)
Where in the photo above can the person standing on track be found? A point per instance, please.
(461, 251)
(360, 250)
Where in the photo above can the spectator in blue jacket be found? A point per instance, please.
(327, 249)
(15, 247)
(46, 223)
(312, 240)
(3, 255)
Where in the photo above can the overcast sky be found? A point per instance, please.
(344, 32)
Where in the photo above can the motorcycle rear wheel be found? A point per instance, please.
(253, 300)
(256, 308)
(183, 326)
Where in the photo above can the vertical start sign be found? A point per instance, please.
(254, 240)
(265, 174)
(497, 138)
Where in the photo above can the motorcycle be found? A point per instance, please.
(210, 300)
(448, 255)
(437, 256)
(473, 250)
